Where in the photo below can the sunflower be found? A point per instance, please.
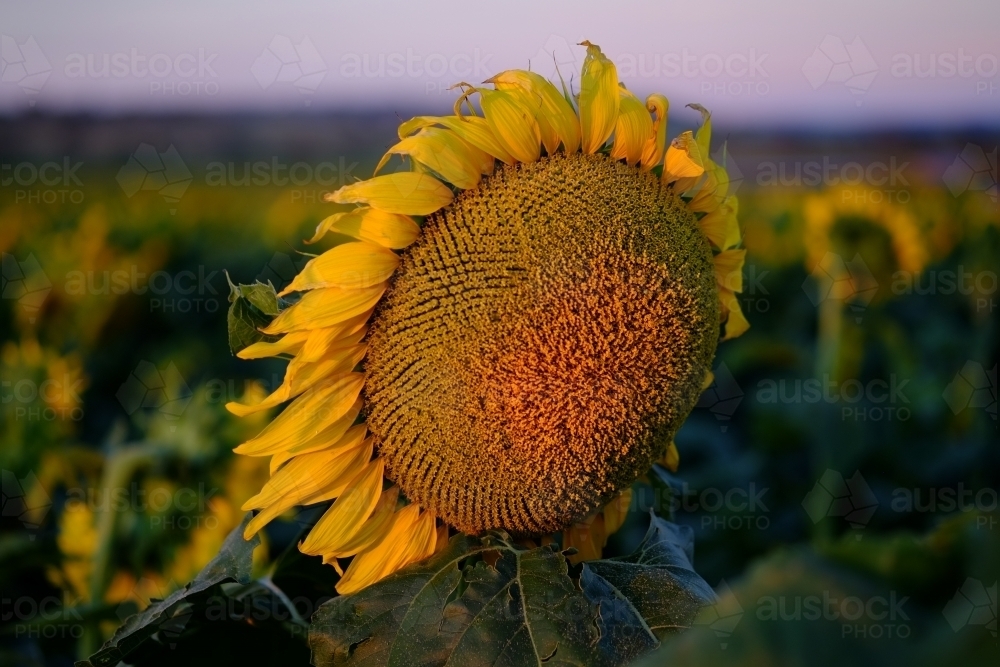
(521, 324)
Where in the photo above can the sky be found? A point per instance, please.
(779, 63)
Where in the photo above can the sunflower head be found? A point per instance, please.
(525, 320)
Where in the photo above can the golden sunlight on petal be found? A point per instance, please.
(656, 145)
(347, 515)
(391, 230)
(633, 129)
(406, 192)
(352, 265)
(599, 99)
(512, 122)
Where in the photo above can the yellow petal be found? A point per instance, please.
(472, 129)
(326, 342)
(599, 99)
(373, 530)
(713, 191)
(616, 511)
(443, 152)
(586, 537)
(322, 308)
(683, 160)
(302, 375)
(672, 460)
(287, 344)
(736, 323)
(353, 265)
(307, 416)
(336, 436)
(721, 225)
(406, 192)
(557, 121)
(729, 269)
(656, 145)
(384, 556)
(633, 129)
(305, 480)
(707, 380)
(347, 515)
(513, 123)
(390, 230)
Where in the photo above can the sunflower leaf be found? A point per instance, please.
(170, 615)
(524, 609)
(656, 584)
(252, 307)
(457, 608)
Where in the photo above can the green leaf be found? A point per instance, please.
(252, 307)
(233, 563)
(656, 583)
(524, 609)
(458, 609)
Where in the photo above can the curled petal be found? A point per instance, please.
(656, 145)
(599, 99)
(683, 161)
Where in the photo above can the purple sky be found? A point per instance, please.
(818, 64)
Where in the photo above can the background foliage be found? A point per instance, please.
(846, 454)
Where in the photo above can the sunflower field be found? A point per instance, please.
(799, 329)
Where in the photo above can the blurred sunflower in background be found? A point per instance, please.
(847, 224)
(520, 326)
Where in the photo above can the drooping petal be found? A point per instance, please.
(512, 122)
(373, 530)
(672, 460)
(633, 129)
(287, 344)
(354, 265)
(472, 129)
(385, 556)
(305, 480)
(390, 230)
(443, 152)
(406, 192)
(736, 322)
(683, 161)
(729, 269)
(616, 511)
(587, 537)
(656, 145)
(347, 515)
(302, 375)
(721, 226)
(557, 120)
(321, 308)
(306, 416)
(713, 191)
(599, 99)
